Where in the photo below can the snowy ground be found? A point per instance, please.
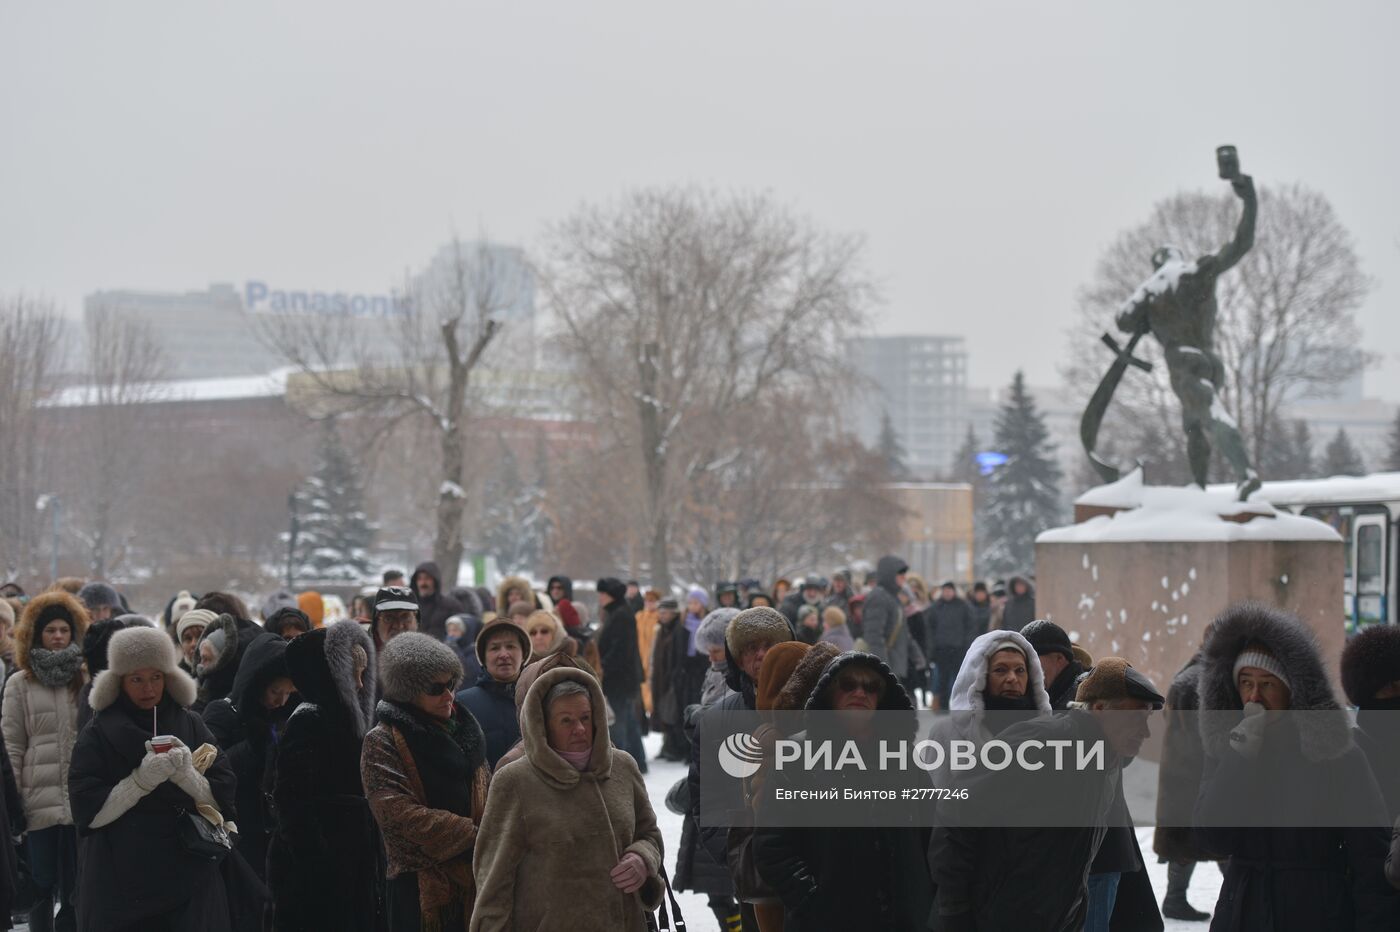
(661, 776)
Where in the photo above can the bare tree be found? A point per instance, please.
(682, 308)
(102, 431)
(1287, 327)
(30, 333)
(416, 369)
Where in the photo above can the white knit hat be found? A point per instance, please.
(1260, 660)
(196, 616)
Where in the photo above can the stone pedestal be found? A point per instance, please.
(1150, 601)
(1143, 578)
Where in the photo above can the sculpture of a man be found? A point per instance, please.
(1177, 306)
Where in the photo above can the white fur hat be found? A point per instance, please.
(134, 649)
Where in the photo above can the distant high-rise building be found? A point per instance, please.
(920, 382)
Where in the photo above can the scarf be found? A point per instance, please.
(445, 760)
(1024, 703)
(55, 668)
(692, 624)
(579, 760)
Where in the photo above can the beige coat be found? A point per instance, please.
(41, 727)
(552, 835)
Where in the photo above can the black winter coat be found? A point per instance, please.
(1020, 609)
(434, 610)
(950, 626)
(248, 733)
(325, 859)
(1285, 879)
(871, 878)
(492, 704)
(1024, 878)
(619, 654)
(1282, 878)
(1179, 777)
(700, 868)
(134, 872)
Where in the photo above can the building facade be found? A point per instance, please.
(920, 383)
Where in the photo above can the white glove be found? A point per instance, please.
(182, 757)
(1247, 738)
(154, 769)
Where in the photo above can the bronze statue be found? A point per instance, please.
(1177, 306)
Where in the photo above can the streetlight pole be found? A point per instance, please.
(50, 503)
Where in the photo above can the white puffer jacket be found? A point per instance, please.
(41, 726)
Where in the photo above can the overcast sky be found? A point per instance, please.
(987, 151)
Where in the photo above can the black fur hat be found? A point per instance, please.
(1370, 661)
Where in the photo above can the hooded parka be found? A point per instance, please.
(552, 834)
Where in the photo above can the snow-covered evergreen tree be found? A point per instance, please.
(1341, 457)
(514, 525)
(1289, 452)
(890, 447)
(1023, 494)
(333, 532)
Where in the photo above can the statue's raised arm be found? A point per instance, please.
(1234, 250)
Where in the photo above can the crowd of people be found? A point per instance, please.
(472, 760)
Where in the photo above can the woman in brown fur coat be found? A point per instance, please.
(425, 775)
(570, 840)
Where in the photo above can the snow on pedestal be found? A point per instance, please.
(1150, 567)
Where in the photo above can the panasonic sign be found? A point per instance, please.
(258, 298)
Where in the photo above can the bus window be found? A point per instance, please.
(1370, 570)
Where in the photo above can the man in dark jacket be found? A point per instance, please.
(1269, 778)
(434, 605)
(1056, 654)
(997, 870)
(503, 649)
(622, 667)
(882, 619)
(1020, 604)
(950, 630)
(812, 590)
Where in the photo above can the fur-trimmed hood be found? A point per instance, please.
(42, 609)
(141, 648)
(533, 732)
(805, 676)
(1321, 736)
(321, 664)
(972, 676)
(514, 582)
(895, 699)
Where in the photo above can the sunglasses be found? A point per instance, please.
(866, 684)
(437, 689)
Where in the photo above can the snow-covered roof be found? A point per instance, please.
(1182, 513)
(1377, 487)
(269, 385)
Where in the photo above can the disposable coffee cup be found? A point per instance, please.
(162, 743)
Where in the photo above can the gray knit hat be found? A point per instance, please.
(412, 663)
(710, 634)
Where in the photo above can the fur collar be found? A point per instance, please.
(341, 638)
(1322, 736)
(468, 735)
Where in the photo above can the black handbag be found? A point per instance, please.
(202, 839)
(664, 920)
